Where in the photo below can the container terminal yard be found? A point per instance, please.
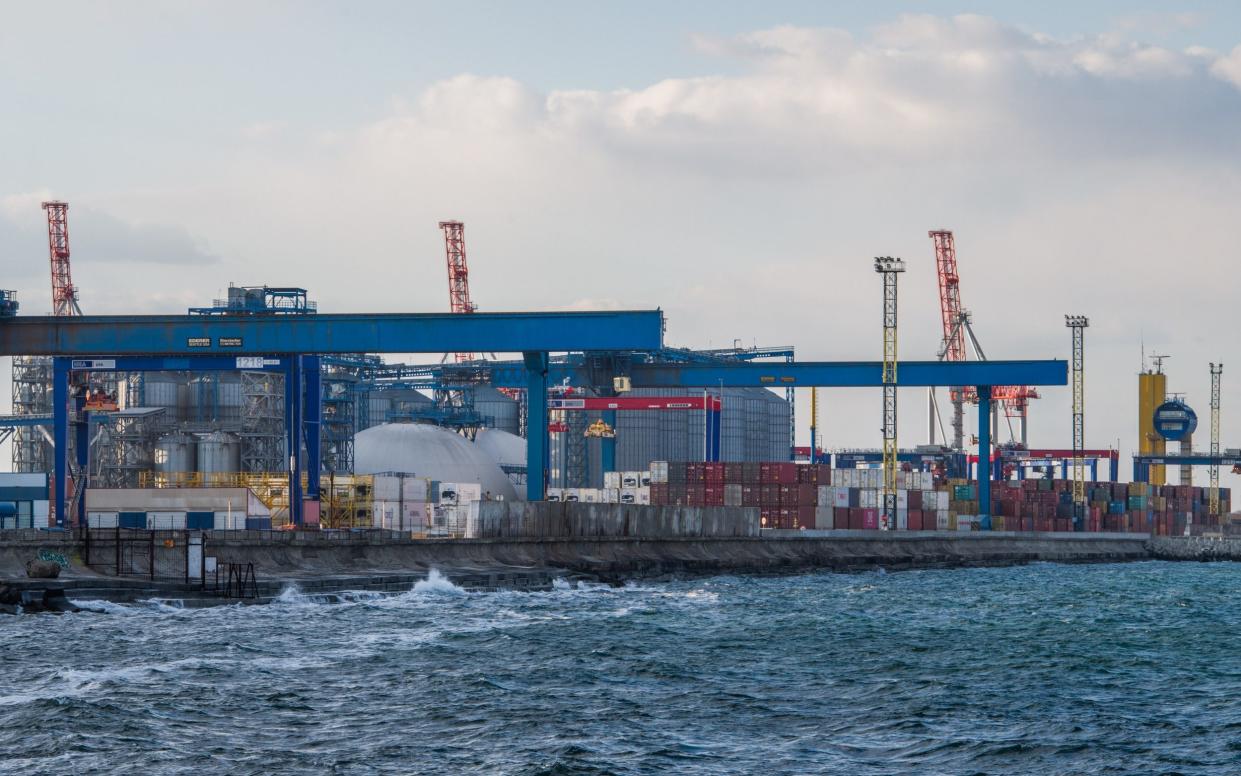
(257, 439)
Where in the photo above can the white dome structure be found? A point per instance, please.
(504, 448)
(428, 451)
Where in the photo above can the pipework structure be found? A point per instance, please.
(889, 268)
(1078, 324)
(1216, 371)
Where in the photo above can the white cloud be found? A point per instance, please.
(1228, 67)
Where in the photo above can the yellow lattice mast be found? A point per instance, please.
(1216, 370)
(889, 268)
(1078, 324)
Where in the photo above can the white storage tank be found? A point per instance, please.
(219, 452)
(176, 452)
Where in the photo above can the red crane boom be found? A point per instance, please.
(64, 294)
(458, 273)
(1013, 398)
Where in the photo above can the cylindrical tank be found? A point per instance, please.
(219, 452)
(176, 452)
(503, 411)
(160, 389)
(230, 397)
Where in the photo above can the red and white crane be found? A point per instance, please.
(64, 293)
(458, 274)
(1014, 399)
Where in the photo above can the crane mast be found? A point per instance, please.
(458, 274)
(64, 293)
(889, 268)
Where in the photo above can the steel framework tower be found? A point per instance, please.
(1216, 371)
(64, 294)
(1078, 324)
(951, 315)
(1014, 399)
(889, 268)
(32, 375)
(458, 273)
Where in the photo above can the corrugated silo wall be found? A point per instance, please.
(500, 409)
(755, 427)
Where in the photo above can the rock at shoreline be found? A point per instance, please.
(42, 569)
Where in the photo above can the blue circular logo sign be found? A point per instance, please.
(1174, 420)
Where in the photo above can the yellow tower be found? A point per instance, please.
(1152, 390)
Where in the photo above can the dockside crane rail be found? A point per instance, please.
(889, 268)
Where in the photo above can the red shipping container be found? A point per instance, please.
(840, 518)
(734, 473)
(695, 472)
(915, 519)
(770, 495)
(695, 495)
(713, 472)
(870, 519)
(788, 495)
(915, 499)
(659, 494)
(807, 495)
(805, 517)
(751, 495)
(768, 474)
(768, 517)
(788, 517)
(713, 495)
(824, 476)
(855, 518)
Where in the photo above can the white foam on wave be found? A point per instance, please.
(437, 584)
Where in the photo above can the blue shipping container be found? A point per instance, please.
(200, 521)
(132, 519)
(258, 523)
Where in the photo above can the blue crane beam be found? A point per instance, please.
(126, 335)
(1142, 463)
(822, 374)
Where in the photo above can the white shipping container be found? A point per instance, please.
(840, 498)
(555, 494)
(101, 519)
(659, 471)
(448, 493)
(902, 499)
(572, 494)
(824, 518)
(611, 495)
(965, 522)
(469, 491)
(588, 495)
(826, 495)
(644, 479)
(902, 520)
(611, 480)
(942, 500)
(644, 495)
(869, 498)
(39, 510)
(631, 479)
(628, 496)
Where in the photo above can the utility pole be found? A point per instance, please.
(889, 268)
(1078, 324)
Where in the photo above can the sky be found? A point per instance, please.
(737, 165)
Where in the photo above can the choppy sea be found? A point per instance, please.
(1131, 668)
